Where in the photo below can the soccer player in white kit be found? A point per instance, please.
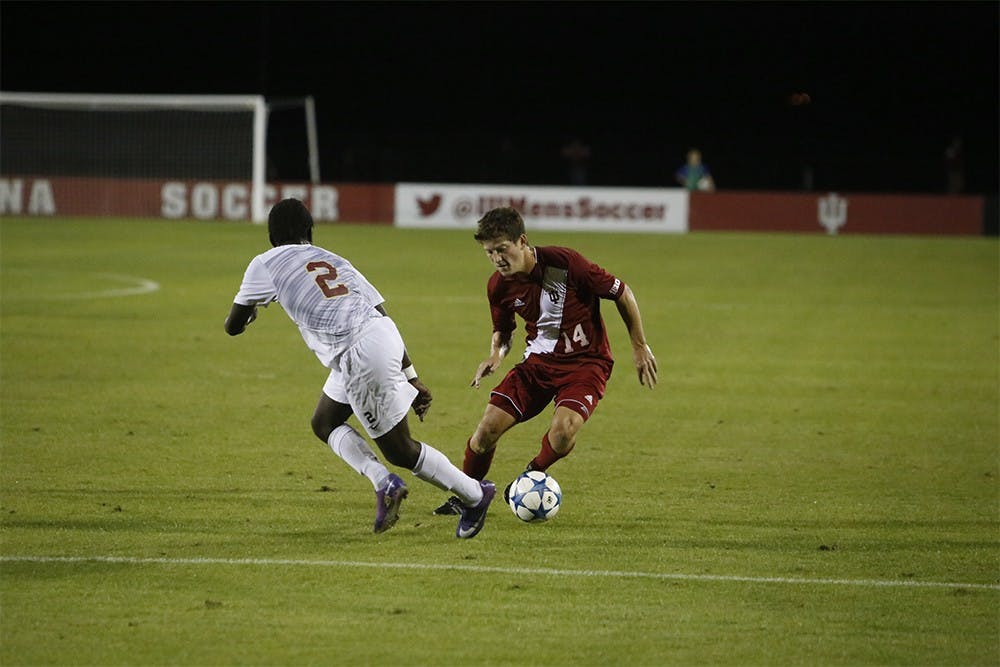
(341, 318)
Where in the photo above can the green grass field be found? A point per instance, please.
(813, 482)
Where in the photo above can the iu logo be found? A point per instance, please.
(832, 212)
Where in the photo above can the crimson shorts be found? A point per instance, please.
(535, 382)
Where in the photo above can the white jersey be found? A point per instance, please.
(327, 298)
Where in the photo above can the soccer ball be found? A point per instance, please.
(535, 496)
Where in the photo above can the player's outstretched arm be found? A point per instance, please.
(499, 347)
(239, 317)
(645, 362)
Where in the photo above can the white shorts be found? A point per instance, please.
(370, 378)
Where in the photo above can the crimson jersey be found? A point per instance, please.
(559, 303)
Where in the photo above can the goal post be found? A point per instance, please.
(139, 137)
(308, 106)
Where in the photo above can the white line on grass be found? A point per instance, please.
(611, 574)
(133, 286)
(138, 286)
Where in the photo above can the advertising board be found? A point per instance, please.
(836, 213)
(447, 206)
(175, 199)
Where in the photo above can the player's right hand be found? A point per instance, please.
(422, 401)
(485, 368)
(645, 364)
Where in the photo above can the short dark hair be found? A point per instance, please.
(289, 222)
(504, 222)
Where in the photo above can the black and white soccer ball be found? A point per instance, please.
(535, 496)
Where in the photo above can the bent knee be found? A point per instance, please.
(494, 424)
(485, 438)
(328, 416)
(322, 428)
(323, 425)
(565, 426)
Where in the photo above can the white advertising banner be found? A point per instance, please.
(441, 206)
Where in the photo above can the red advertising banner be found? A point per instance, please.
(834, 213)
(379, 204)
(203, 200)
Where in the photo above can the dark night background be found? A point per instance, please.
(490, 92)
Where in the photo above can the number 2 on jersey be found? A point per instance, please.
(326, 279)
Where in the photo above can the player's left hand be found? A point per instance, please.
(645, 364)
(422, 402)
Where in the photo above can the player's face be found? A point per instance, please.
(508, 257)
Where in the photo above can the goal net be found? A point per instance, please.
(188, 156)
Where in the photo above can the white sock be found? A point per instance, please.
(434, 467)
(350, 446)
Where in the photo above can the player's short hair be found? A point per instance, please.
(504, 222)
(289, 222)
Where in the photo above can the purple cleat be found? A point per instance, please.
(474, 517)
(388, 498)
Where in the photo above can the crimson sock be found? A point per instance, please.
(476, 465)
(546, 456)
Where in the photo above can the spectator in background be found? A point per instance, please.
(694, 174)
(954, 166)
(577, 154)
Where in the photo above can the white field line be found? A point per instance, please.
(609, 574)
(132, 286)
(137, 286)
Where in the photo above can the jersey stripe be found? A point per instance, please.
(551, 302)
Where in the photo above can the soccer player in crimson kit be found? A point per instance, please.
(567, 359)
